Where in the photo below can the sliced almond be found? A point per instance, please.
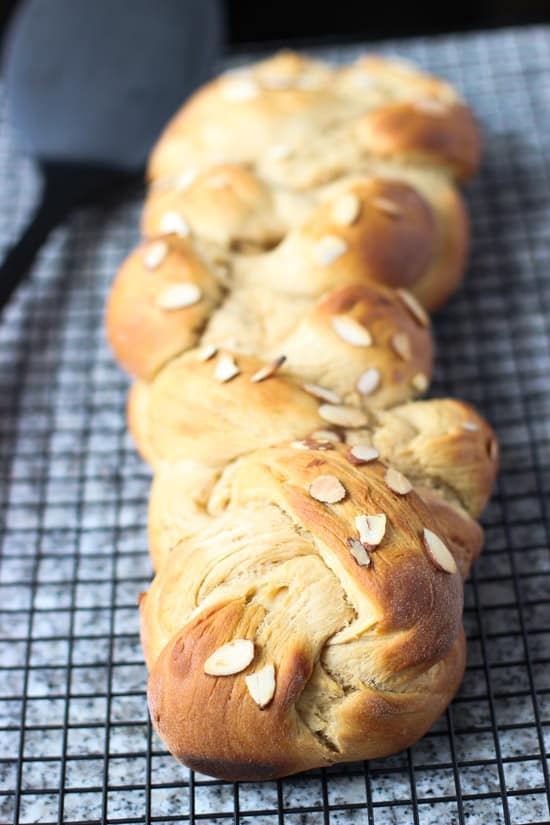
(320, 444)
(328, 248)
(261, 685)
(397, 482)
(207, 352)
(304, 444)
(362, 454)
(178, 296)
(388, 207)
(415, 308)
(358, 552)
(343, 416)
(230, 658)
(327, 435)
(172, 223)
(226, 369)
(280, 151)
(363, 79)
(277, 81)
(369, 381)
(327, 489)
(351, 331)
(493, 449)
(268, 370)
(420, 382)
(402, 345)
(438, 552)
(431, 106)
(346, 209)
(371, 529)
(241, 89)
(322, 393)
(471, 426)
(312, 444)
(155, 254)
(184, 181)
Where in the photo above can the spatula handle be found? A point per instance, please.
(65, 187)
(48, 214)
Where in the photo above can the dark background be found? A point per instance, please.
(254, 21)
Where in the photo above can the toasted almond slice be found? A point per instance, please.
(327, 435)
(312, 444)
(397, 482)
(323, 394)
(371, 529)
(402, 345)
(184, 181)
(431, 106)
(438, 552)
(351, 331)
(343, 416)
(388, 207)
(321, 444)
(155, 254)
(328, 248)
(420, 382)
(226, 369)
(241, 89)
(327, 489)
(277, 81)
(178, 296)
(362, 454)
(230, 658)
(493, 449)
(369, 381)
(358, 552)
(346, 209)
(268, 370)
(280, 151)
(415, 308)
(207, 352)
(304, 444)
(471, 426)
(261, 685)
(363, 79)
(172, 223)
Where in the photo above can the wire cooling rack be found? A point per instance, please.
(75, 741)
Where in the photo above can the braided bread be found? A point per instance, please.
(310, 521)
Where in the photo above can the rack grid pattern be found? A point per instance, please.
(75, 742)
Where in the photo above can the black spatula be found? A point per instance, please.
(90, 84)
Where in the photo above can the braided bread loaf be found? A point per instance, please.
(310, 523)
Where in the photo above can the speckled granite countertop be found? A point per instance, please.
(75, 744)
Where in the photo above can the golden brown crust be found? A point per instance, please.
(400, 647)
(443, 444)
(239, 116)
(400, 348)
(305, 510)
(449, 463)
(445, 134)
(144, 335)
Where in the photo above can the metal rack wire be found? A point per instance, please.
(75, 742)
